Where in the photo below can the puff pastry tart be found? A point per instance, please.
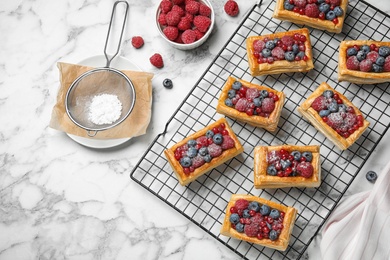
(287, 166)
(364, 62)
(203, 150)
(256, 105)
(259, 221)
(334, 116)
(280, 52)
(324, 15)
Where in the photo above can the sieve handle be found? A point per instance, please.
(91, 133)
(108, 59)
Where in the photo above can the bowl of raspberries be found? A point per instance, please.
(185, 24)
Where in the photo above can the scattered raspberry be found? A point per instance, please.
(192, 7)
(227, 142)
(300, 3)
(352, 63)
(161, 19)
(172, 18)
(386, 67)
(312, 10)
(137, 42)
(178, 2)
(335, 2)
(214, 150)
(165, 6)
(278, 53)
(202, 141)
(287, 40)
(156, 60)
(197, 161)
(252, 93)
(258, 45)
(305, 169)
(268, 105)
(335, 120)
(349, 120)
(198, 33)
(184, 24)
(202, 22)
(231, 8)
(251, 230)
(372, 56)
(242, 104)
(365, 65)
(204, 10)
(171, 32)
(273, 156)
(319, 103)
(188, 36)
(241, 204)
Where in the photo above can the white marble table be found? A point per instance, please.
(61, 200)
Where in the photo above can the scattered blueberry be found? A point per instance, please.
(231, 93)
(308, 156)
(218, 138)
(288, 6)
(236, 85)
(271, 170)
(264, 93)
(384, 51)
(191, 143)
(366, 49)
(297, 155)
(301, 54)
(234, 218)
(276, 40)
(203, 151)
(361, 55)
(351, 52)
(209, 134)
(240, 227)
(270, 45)
(371, 176)
(274, 214)
(266, 53)
(265, 210)
(285, 163)
(228, 102)
(333, 107)
(330, 15)
(257, 102)
(289, 56)
(167, 83)
(338, 11)
(324, 7)
(342, 108)
(185, 161)
(207, 158)
(380, 61)
(328, 93)
(376, 68)
(246, 214)
(320, 1)
(192, 152)
(295, 48)
(273, 235)
(253, 205)
(323, 113)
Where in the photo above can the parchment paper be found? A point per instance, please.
(134, 125)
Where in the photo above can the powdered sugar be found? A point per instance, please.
(104, 109)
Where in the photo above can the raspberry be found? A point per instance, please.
(256, 219)
(198, 33)
(172, 18)
(268, 105)
(204, 10)
(184, 24)
(258, 45)
(178, 2)
(365, 65)
(350, 120)
(242, 104)
(251, 230)
(192, 7)
(178, 9)
(165, 6)
(252, 93)
(300, 3)
(241, 204)
(161, 19)
(156, 60)
(273, 157)
(189, 16)
(231, 8)
(178, 39)
(202, 22)
(319, 103)
(171, 32)
(278, 53)
(386, 67)
(372, 56)
(197, 161)
(287, 40)
(214, 150)
(353, 63)
(202, 140)
(188, 36)
(305, 169)
(311, 10)
(227, 142)
(137, 42)
(335, 120)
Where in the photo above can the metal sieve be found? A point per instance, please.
(98, 81)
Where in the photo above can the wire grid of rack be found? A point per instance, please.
(204, 200)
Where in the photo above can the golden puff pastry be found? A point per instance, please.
(282, 14)
(269, 123)
(313, 116)
(357, 76)
(234, 149)
(279, 66)
(281, 243)
(262, 180)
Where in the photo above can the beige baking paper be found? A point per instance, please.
(134, 125)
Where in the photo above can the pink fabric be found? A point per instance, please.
(359, 228)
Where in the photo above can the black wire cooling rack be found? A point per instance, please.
(204, 200)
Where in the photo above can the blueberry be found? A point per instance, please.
(295, 48)
(308, 156)
(254, 206)
(333, 107)
(240, 227)
(376, 68)
(236, 85)
(361, 55)
(192, 152)
(301, 54)
(276, 40)
(271, 170)
(380, 61)
(203, 151)
(185, 161)
(320, 1)
(288, 6)
(351, 52)
(265, 210)
(384, 51)
(371, 176)
(257, 102)
(264, 93)
(209, 134)
(270, 45)
(330, 15)
(191, 143)
(246, 214)
(167, 83)
(342, 108)
(228, 102)
(324, 8)
(323, 113)
(289, 56)
(266, 53)
(338, 11)
(366, 49)
(234, 218)
(285, 163)
(207, 158)
(218, 138)
(231, 93)
(328, 93)
(297, 155)
(273, 235)
(275, 214)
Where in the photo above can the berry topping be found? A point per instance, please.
(214, 150)
(322, 9)
(320, 103)
(167, 83)
(300, 3)
(371, 176)
(252, 93)
(157, 60)
(227, 142)
(311, 10)
(198, 161)
(365, 65)
(287, 40)
(234, 218)
(231, 8)
(353, 63)
(268, 105)
(251, 230)
(241, 204)
(242, 104)
(305, 169)
(265, 210)
(275, 214)
(254, 206)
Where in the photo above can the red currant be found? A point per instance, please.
(275, 98)
(335, 20)
(233, 209)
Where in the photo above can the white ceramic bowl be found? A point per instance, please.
(183, 46)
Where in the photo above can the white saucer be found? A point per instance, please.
(119, 63)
